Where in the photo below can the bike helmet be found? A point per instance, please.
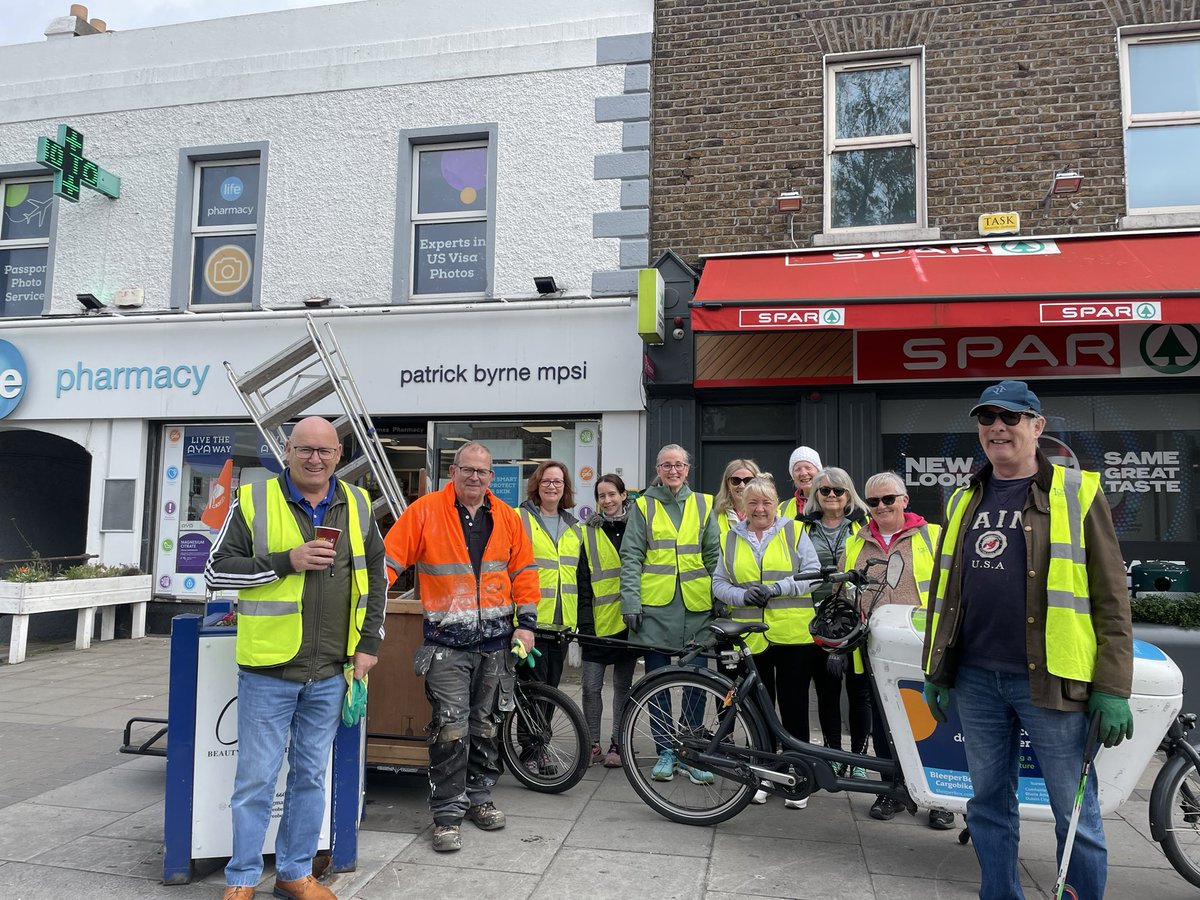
(837, 626)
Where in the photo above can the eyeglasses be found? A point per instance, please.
(471, 471)
(673, 467)
(988, 417)
(826, 491)
(735, 480)
(552, 482)
(323, 452)
(886, 500)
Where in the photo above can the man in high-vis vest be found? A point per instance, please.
(306, 608)
(1029, 628)
(668, 555)
(476, 575)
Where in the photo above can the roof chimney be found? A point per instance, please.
(75, 24)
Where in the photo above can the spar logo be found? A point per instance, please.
(1171, 349)
(13, 376)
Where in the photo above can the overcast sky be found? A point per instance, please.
(24, 21)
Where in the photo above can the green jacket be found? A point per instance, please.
(325, 612)
(671, 625)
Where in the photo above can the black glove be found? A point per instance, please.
(758, 595)
(633, 621)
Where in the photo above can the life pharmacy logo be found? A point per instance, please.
(130, 378)
(13, 378)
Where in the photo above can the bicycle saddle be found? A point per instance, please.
(729, 628)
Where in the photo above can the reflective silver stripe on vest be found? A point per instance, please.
(731, 539)
(568, 560)
(436, 569)
(362, 602)
(605, 600)
(651, 542)
(570, 589)
(360, 562)
(946, 561)
(394, 564)
(693, 574)
(776, 574)
(923, 586)
(789, 535)
(499, 565)
(748, 614)
(258, 496)
(687, 548)
(268, 607)
(1072, 482)
(657, 569)
(790, 603)
(549, 593)
(545, 563)
(594, 558)
(364, 513)
(701, 508)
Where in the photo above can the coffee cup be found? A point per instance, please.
(325, 533)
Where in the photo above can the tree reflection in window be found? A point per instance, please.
(874, 184)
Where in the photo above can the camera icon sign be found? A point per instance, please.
(228, 269)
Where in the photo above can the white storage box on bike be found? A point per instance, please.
(931, 753)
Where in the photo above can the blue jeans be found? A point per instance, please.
(994, 707)
(662, 718)
(269, 711)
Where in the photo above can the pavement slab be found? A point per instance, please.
(524, 846)
(119, 789)
(606, 825)
(581, 873)
(409, 879)
(108, 855)
(776, 867)
(27, 829)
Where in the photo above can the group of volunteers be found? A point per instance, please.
(1028, 625)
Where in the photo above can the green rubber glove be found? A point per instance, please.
(528, 657)
(937, 699)
(1116, 719)
(355, 703)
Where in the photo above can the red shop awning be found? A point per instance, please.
(1109, 279)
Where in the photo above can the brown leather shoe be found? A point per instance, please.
(306, 888)
(238, 892)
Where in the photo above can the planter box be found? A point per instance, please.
(21, 600)
(1183, 646)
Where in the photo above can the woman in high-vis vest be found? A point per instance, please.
(755, 576)
(729, 504)
(833, 512)
(892, 531)
(557, 539)
(668, 555)
(600, 612)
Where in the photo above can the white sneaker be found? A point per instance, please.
(760, 796)
(796, 804)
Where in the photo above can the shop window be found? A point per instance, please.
(518, 447)
(1146, 448)
(445, 217)
(875, 169)
(25, 245)
(219, 238)
(1161, 112)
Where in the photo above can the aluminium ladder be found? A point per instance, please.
(290, 382)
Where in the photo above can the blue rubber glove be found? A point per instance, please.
(937, 699)
(1116, 719)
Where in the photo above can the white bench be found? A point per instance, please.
(86, 595)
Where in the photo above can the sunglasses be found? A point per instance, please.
(826, 491)
(988, 417)
(735, 480)
(886, 500)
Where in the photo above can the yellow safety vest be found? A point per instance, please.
(1070, 637)
(269, 628)
(725, 521)
(675, 554)
(604, 563)
(558, 571)
(787, 616)
(788, 509)
(922, 556)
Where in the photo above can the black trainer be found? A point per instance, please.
(884, 808)
(941, 819)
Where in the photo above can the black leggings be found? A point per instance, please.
(865, 717)
(792, 667)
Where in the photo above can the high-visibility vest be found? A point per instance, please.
(790, 508)
(269, 624)
(675, 554)
(725, 521)
(604, 561)
(558, 571)
(787, 616)
(1070, 637)
(922, 553)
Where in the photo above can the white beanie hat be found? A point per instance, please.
(808, 454)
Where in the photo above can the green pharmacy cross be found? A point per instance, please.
(72, 170)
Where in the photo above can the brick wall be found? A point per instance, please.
(1013, 91)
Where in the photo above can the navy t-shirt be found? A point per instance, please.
(993, 579)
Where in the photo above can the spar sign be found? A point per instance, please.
(1085, 351)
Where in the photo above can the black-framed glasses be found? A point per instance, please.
(471, 471)
(886, 500)
(552, 482)
(736, 480)
(827, 491)
(323, 452)
(988, 416)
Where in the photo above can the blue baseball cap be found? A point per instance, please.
(1014, 396)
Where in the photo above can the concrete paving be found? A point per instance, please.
(80, 819)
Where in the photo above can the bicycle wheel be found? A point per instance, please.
(1175, 808)
(661, 712)
(544, 740)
